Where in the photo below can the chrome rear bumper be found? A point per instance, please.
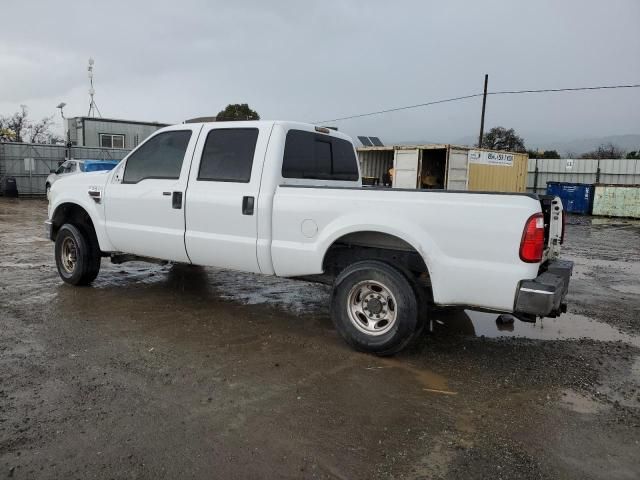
(544, 295)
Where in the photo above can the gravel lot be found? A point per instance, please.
(184, 372)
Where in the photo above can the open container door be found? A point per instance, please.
(406, 166)
(457, 169)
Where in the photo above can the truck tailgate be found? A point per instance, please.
(554, 218)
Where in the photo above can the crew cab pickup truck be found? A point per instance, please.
(286, 199)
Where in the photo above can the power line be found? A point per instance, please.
(465, 97)
(454, 99)
(545, 90)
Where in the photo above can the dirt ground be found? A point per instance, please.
(184, 372)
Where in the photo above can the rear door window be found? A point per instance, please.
(159, 157)
(228, 155)
(317, 156)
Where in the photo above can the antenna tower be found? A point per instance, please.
(93, 108)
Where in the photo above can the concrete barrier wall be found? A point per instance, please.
(617, 201)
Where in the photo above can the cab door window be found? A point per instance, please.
(159, 157)
(317, 156)
(228, 155)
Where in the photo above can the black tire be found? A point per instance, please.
(352, 292)
(86, 266)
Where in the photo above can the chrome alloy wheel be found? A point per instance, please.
(372, 307)
(69, 255)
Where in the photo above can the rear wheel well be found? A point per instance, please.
(355, 247)
(77, 216)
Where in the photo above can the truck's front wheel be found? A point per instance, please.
(77, 258)
(374, 307)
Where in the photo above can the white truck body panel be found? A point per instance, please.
(74, 192)
(139, 216)
(216, 233)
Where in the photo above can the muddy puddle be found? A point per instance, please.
(430, 381)
(304, 298)
(569, 326)
(579, 403)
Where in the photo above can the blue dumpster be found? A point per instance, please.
(576, 197)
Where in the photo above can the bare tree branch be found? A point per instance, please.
(19, 128)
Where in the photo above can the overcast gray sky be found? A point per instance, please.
(309, 61)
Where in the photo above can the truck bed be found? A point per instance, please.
(469, 240)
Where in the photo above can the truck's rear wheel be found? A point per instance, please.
(77, 258)
(375, 308)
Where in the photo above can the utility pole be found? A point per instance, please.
(484, 104)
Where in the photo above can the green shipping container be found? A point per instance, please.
(617, 201)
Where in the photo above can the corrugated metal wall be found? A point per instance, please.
(499, 178)
(581, 170)
(31, 175)
(620, 172)
(133, 133)
(375, 163)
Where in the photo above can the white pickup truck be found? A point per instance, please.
(286, 199)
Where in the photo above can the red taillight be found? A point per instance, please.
(532, 244)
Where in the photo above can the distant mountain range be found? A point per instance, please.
(579, 146)
(576, 147)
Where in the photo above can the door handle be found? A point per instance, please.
(247, 205)
(176, 200)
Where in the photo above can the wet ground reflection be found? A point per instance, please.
(569, 326)
(300, 297)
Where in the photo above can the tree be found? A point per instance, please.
(19, 128)
(14, 126)
(634, 155)
(499, 138)
(237, 111)
(606, 150)
(550, 154)
(40, 132)
(545, 154)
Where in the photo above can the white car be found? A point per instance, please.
(286, 199)
(74, 166)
